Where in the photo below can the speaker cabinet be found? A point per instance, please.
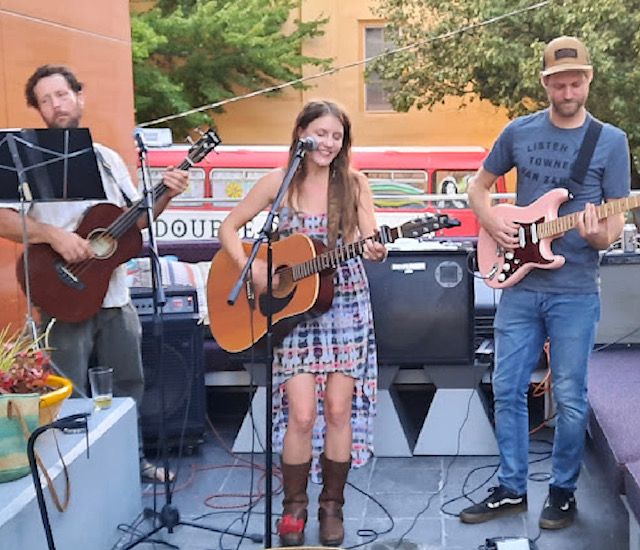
(619, 319)
(423, 307)
(177, 369)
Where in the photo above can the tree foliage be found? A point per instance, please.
(188, 53)
(501, 61)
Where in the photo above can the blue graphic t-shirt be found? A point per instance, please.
(543, 156)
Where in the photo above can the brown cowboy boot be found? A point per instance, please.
(294, 504)
(334, 477)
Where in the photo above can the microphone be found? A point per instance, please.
(308, 143)
(138, 135)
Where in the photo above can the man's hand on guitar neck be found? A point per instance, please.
(598, 233)
(176, 181)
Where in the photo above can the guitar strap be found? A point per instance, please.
(107, 168)
(581, 165)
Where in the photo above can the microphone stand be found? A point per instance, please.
(169, 516)
(266, 234)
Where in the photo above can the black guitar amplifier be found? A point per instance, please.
(176, 369)
(423, 307)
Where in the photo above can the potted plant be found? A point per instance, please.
(26, 368)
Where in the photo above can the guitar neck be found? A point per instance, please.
(121, 225)
(563, 224)
(333, 258)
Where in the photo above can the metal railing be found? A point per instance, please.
(426, 197)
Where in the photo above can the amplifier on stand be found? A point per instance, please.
(423, 307)
(177, 369)
(619, 321)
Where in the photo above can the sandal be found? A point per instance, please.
(155, 474)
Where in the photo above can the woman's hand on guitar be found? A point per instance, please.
(374, 251)
(71, 246)
(177, 181)
(259, 277)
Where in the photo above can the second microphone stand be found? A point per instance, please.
(266, 236)
(169, 516)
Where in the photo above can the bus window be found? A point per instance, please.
(397, 189)
(194, 191)
(451, 182)
(230, 185)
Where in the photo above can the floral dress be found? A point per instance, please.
(340, 340)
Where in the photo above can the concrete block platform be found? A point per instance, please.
(105, 487)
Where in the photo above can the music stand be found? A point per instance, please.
(57, 164)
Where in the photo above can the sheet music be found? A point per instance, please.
(50, 164)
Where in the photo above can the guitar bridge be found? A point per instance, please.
(68, 278)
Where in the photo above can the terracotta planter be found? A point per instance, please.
(50, 403)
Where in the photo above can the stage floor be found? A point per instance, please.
(399, 498)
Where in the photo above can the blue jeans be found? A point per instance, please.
(523, 321)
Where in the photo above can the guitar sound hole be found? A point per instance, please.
(103, 245)
(284, 282)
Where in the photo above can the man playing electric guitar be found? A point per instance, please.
(113, 333)
(560, 304)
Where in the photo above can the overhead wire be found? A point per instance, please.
(334, 70)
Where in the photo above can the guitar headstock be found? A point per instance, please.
(427, 224)
(206, 143)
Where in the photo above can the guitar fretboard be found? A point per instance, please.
(333, 258)
(123, 223)
(563, 224)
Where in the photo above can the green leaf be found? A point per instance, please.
(189, 53)
(501, 62)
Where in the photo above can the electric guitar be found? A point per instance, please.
(304, 287)
(539, 225)
(74, 292)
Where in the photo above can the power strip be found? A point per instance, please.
(508, 543)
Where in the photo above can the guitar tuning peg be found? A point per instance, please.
(195, 134)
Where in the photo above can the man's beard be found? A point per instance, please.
(568, 108)
(68, 122)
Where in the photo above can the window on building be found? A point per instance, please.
(375, 97)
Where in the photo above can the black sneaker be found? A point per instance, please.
(500, 502)
(560, 509)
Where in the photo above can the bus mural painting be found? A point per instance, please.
(401, 179)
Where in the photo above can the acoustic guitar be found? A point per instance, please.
(538, 224)
(304, 288)
(74, 292)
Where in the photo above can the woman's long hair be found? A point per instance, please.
(343, 194)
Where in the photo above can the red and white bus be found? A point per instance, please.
(406, 182)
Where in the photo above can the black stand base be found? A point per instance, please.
(169, 518)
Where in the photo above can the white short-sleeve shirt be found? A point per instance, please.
(116, 180)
